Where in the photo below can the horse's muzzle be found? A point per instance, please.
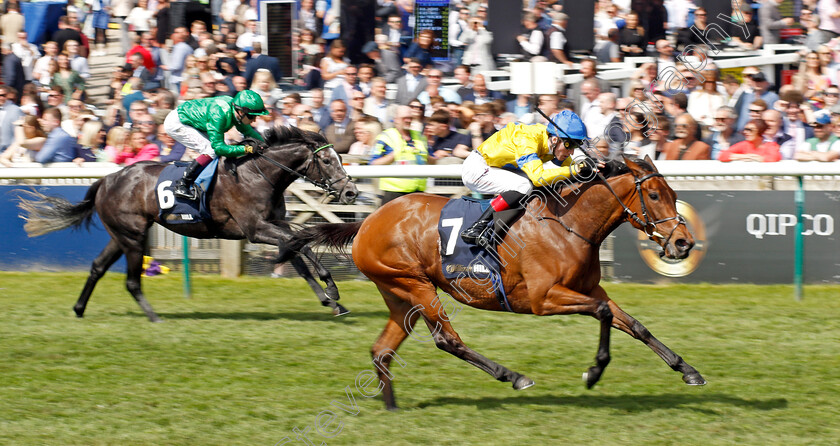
(348, 193)
(678, 249)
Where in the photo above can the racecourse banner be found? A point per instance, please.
(741, 236)
(67, 250)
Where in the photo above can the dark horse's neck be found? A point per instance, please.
(590, 209)
(265, 167)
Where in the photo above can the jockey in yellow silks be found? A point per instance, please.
(512, 161)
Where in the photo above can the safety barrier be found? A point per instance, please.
(307, 204)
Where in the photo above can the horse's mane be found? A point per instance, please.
(281, 135)
(615, 167)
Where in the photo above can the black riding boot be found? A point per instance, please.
(472, 234)
(184, 186)
(509, 203)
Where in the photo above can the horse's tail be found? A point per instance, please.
(45, 214)
(334, 235)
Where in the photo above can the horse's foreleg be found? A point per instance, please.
(134, 269)
(602, 358)
(100, 265)
(631, 326)
(561, 300)
(289, 250)
(303, 271)
(323, 273)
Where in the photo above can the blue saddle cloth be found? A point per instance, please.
(176, 210)
(457, 257)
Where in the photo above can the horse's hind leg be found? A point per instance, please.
(631, 326)
(134, 269)
(400, 323)
(103, 261)
(422, 295)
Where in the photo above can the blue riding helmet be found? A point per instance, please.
(570, 123)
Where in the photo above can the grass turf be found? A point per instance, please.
(250, 360)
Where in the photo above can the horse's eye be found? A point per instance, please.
(327, 160)
(653, 195)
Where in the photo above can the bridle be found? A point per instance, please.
(327, 186)
(648, 224)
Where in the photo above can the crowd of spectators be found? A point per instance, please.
(398, 104)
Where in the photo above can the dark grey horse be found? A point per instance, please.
(246, 203)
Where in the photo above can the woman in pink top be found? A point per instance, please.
(138, 149)
(754, 147)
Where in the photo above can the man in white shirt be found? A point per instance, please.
(590, 110)
(245, 42)
(458, 26)
(678, 13)
(557, 38)
(666, 56)
(829, 13)
(435, 76)
(532, 41)
(27, 52)
(377, 105)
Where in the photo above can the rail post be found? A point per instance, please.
(186, 264)
(799, 240)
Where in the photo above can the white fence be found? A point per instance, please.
(308, 204)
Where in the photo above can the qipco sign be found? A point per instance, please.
(770, 225)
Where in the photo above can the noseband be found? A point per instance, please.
(648, 224)
(326, 185)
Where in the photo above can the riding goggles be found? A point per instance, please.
(251, 113)
(572, 143)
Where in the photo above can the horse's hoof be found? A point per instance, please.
(332, 293)
(339, 310)
(155, 320)
(591, 377)
(694, 379)
(523, 382)
(79, 313)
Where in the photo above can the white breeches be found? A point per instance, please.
(190, 137)
(481, 178)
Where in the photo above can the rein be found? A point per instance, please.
(648, 224)
(326, 186)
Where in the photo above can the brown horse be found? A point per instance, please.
(551, 257)
(246, 203)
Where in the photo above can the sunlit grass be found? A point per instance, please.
(247, 361)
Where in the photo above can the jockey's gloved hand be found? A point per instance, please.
(584, 170)
(260, 146)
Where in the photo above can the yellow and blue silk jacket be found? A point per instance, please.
(525, 148)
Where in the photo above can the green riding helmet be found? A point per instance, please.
(249, 103)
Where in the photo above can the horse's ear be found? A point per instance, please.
(629, 162)
(650, 161)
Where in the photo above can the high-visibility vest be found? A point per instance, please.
(415, 152)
